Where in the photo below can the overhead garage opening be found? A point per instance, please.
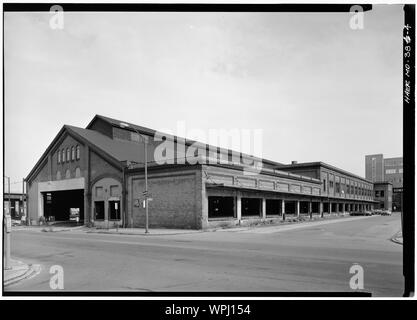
(273, 207)
(64, 205)
(251, 207)
(221, 207)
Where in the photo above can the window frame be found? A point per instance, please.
(77, 152)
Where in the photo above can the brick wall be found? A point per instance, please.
(100, 168)
(71, 165)
(32, 201)
(176, 198)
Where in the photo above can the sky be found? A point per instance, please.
(319, 90)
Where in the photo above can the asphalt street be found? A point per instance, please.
(316, 257)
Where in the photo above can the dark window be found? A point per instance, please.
(99, 210)
(251, 207)
(77, 150)
(337, 187)
(324, 184)
(72, 153)
(220, 207)
(114, 210)
(68, 154)
(382, 193)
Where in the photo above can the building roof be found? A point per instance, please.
(120, 150)
(151, 132)
(383, 182)
(117, 151)
(320, 164)
(394, 158)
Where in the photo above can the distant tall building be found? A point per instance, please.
(378, 169)
(374, 167)
(393, 171)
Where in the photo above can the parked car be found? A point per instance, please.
(367, 213)
(356, 213)
(16, 222)
(386, 213)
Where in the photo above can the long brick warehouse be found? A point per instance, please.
(98, 175)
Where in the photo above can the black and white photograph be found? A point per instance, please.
(197, 150)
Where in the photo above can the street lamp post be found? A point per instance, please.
(125, 125)
(7, 229)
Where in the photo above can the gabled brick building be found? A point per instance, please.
(98, 171)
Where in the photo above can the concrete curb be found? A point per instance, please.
(398, 238)
(31, 271)
(46, 228)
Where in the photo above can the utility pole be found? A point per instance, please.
(23, 200)
(10, 202)
(145, 142)
(146, 186)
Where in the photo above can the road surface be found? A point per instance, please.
(313, 258)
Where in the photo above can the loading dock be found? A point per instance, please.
(58, 204)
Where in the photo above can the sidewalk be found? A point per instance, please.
(19, 271)
(141, 231)
(258, 227)
(272, 228)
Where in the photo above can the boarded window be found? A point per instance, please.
(99, 192)
(114, 191)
